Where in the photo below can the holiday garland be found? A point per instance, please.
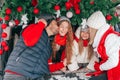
(74, 9)
(21, 12)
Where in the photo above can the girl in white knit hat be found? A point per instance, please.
(106, 43)
(83, 56)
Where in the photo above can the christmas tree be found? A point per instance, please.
(73, 9)
(22, 12)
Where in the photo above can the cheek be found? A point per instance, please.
(87, 36)
(81, 35)
(55, 29)
(59, 30)
(66, 30)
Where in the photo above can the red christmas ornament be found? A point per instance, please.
(7, 18)
(6, 48)
(74, 4)
(4, 26)
(68, 5)
(1, 19)
(16, 22)
(1, 51)
(108, 17)
(77, 11)
(78, 1)
(36, 11)
(3, 43)
(34, 2)
(19, 8)
(4, 35)
(56, 7)
(92, 2)
(8, 11)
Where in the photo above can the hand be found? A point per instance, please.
(43, 20)
(97, 66)
(64, 69)
(65, 62)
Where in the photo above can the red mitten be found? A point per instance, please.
(32, 33)
(97, 66)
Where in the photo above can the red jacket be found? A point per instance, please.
(56, 66)
(114, 73)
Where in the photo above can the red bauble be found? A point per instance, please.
(4, 26)
(77, 11)
(3, 43)
(57, 7)
(6, 48)
(8, 11)
(68, 5)
(16, 22)
(7, 18)
(4, 35)
(1, 51)
(78, 1)
(1, 19)
(36, 11)
(92, 2)
(34, 2)
(19, 8)
(108, 17)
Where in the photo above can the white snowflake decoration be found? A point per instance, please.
(24, 20)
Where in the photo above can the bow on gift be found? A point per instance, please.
(73, 3)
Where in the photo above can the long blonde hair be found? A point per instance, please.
(69, 43)
(81, 47)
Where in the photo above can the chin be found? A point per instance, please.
(62, 35)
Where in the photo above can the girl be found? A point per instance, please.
(82, 51)
(62, 46)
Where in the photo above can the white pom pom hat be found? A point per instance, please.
(96, 20)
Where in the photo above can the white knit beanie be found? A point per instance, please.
(96, 20)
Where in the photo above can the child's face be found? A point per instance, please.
(63, 28)
(84, 35)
